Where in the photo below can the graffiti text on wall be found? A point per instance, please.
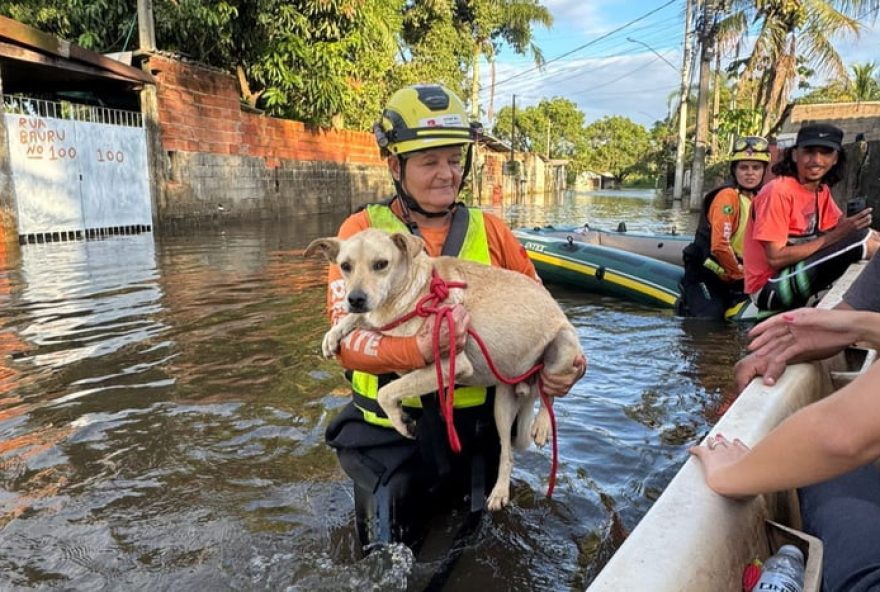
(42, 142)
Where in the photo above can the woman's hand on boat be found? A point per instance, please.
(557, 385)
(425, 334)
(804, 332)
(717, 455)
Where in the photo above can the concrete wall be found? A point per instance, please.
(8, 228)
(536, 176)
(852, 118)
(862, 177)
(218, 161)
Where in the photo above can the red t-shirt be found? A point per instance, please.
(782, 211)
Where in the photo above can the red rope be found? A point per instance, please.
(554, 463)
(429, 305)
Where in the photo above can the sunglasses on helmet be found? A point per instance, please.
(755, 143)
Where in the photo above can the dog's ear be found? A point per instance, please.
(328, 247)
(410, 244)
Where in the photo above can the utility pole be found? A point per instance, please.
(707, 48)
(150, 108)
(475, 87)
(548, 138)
(146, 27)
(512, 131)
(512, 167)
(716, 105)
(683, 105)
(476, 184)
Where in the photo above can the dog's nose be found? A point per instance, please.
(357, 301)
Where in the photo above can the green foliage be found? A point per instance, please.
(862, 85)
(320, 56)
(433, 48)
(319, 61)
(795, 37)
(559, 116)
(619, 146)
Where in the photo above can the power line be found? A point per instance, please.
(554, 76)
(589, 43)
(655, 32)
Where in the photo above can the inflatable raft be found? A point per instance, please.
(603, 270)
(631, 262)
(664, 247)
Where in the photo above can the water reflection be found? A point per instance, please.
(639, 209)
(163, 401)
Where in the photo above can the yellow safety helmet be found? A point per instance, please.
(751, 148)
(421, 117)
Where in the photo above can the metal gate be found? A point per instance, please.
(78, 170)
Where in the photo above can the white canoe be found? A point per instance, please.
(665, 247)
(693, 540)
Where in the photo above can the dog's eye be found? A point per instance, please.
(345, 266)
(380, 264)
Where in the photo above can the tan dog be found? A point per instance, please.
(520, 322)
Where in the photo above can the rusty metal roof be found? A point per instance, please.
(33, 61)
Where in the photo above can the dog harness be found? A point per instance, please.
(467, 240)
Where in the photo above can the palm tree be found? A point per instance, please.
(789, 31)
(493, 21)
(864, 84)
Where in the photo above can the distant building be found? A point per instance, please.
(592, 181)
(500, 172)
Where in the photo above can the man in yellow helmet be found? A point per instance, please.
(713, 277)
(399, 483)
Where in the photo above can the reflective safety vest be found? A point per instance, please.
(703, 236)
(475, 247)
(739, 235)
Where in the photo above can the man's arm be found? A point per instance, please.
(780, 254)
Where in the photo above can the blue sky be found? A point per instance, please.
(613, 75)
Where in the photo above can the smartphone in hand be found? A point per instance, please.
(855, 205)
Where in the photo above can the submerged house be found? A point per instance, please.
(74, 161)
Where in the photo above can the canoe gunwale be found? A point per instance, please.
(692, 539)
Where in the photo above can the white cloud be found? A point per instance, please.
(577, 14)
(636, 86)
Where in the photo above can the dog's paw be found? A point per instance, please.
(330, 344)
(499, 497)
(542, 429)
(404, 424)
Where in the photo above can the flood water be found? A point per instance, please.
(163, 402)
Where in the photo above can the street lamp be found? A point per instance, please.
(654, 51)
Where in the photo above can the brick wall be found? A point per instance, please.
(221, 161)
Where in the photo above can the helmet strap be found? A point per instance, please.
(468, 161)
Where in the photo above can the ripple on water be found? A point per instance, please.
(163, 402)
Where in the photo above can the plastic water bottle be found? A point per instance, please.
(783, 572)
